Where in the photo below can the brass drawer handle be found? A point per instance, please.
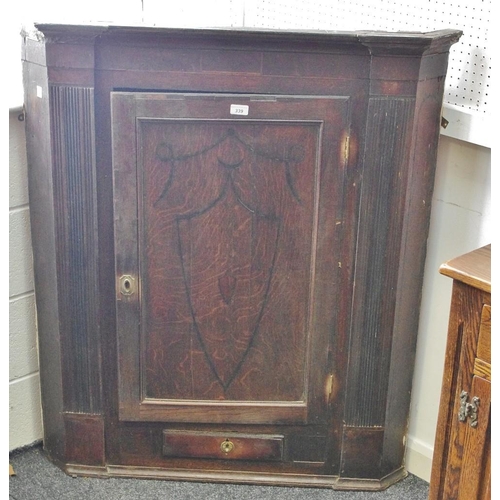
(468, 409)
(227, 446)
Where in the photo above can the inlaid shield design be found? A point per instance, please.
(226, 196)
(228, 254)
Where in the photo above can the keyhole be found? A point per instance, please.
(226, 446)
(127, 285)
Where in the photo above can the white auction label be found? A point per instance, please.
(239, 109)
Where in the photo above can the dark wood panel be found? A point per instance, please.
(130, 58)
(433, 65)
(362, 451)
(85, 438)
(225, 273)
(79, 54)
(337, 66)
(137, 443)
(394, 88)
(158, 410)
(213, 82)
(77, 77)
(395, 68)
(243, 61)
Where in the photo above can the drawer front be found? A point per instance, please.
(225, 446)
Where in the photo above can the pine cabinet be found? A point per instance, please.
(229, 231)
(462, 454)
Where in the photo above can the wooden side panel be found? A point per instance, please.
(463, 332)
(475, 466)
(417, 211)
(72, 131)
(40, 184)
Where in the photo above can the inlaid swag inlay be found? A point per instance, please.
(224, 204)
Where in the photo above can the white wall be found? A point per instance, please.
(25, 424)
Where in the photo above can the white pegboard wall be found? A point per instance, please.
(469, 70)
(193, 13)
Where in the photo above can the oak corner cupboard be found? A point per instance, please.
(229, 232)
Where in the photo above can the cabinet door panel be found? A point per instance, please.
(475, 468)
(217, 223)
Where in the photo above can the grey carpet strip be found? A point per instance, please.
(38, 479)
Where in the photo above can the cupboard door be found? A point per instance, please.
(225, 209)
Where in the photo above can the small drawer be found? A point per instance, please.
(224, 446)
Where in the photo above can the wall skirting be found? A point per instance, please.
(418, 459)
